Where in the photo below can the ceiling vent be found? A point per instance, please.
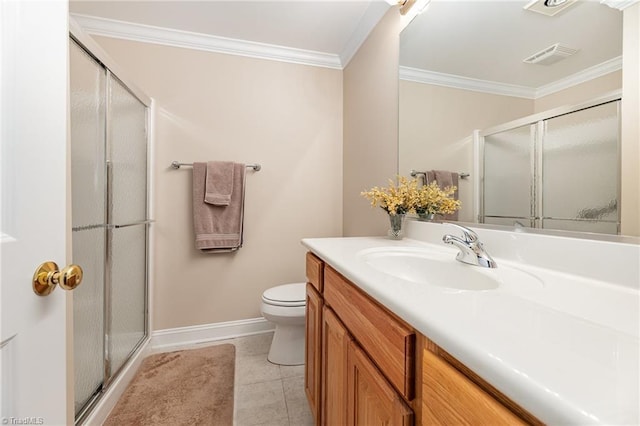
(551, 55)
(549, 8)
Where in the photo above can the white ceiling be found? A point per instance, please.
(479, 39)
(321, 26)
(488, 40)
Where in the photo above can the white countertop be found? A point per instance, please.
(567, 352)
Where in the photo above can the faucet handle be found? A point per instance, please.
(469, 235)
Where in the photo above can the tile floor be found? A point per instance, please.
(266, 394)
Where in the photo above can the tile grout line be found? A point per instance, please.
(284, 395)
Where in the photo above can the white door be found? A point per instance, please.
(33, 210)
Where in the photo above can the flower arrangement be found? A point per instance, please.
(407, 197)
(395, 199)
(433, 200)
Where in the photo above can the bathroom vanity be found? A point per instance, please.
(387, 344)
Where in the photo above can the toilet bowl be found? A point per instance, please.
(284, 305)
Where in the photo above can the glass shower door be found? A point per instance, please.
(580, 170)
(87, 116)
(557, 172)
(110, 226)
(127, 231)
(508, 170)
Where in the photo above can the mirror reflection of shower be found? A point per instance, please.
(555, 172)
(462, 68)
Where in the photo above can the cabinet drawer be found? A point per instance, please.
(314, 271)
(449, 397)
(389, 342)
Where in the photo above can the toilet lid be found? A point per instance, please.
(286, 295)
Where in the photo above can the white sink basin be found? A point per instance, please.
(440, 269)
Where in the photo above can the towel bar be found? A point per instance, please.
(176, 165)
(461, 175)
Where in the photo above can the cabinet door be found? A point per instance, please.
(335, 343)
(313, 348)
(372, 401)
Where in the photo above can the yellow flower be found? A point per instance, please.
(407, 197)
(431, 200)
(395, 199)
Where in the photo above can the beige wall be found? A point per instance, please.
(436, 124)
(370, 125)
(210, 106)
(581, 92)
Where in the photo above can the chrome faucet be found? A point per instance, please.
(471, 250)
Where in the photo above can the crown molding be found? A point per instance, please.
(583, 76)
(466, 83)
(619, 4)
(367, 23)
(450, 80)
(176, 38)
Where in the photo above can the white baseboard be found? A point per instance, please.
(174, 338)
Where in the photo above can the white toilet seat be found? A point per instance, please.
(285, 295)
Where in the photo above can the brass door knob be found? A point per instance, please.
(47, 276)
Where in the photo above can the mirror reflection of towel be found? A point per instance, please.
(445, 178)
(218, 228)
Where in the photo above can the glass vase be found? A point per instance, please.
(424, 216)
(396, 222)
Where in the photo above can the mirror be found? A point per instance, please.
(463, 68)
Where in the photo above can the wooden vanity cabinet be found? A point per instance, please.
(388, 341)
(449, 397)
(365, 366)
(313, 334)
(366, 355)
(453, 394)
(313, 350)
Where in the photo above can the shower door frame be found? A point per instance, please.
(112, 70)
(538, 123)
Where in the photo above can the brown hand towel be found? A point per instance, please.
(219, 183)
(445, 179)
(218, 228)
(429, 177)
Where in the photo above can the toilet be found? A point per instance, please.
(284, 305)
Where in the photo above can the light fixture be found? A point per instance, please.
(416, 6)
(549, 7)
(554, 3)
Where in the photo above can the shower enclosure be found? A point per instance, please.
(110, 223)
(555, 170)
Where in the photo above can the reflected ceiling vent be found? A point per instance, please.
(550, 55)
(548, 7)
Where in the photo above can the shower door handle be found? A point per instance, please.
(47, 276)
